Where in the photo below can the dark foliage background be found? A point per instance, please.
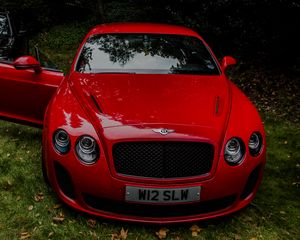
(263, 30)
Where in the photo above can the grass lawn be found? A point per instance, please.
(29, 208)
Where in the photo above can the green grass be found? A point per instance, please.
(274, 214)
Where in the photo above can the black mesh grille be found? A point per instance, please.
(163, 159)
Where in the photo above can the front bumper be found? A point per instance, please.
(94, 190)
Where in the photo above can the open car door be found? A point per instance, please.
(26, 89)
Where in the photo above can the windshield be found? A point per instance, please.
(146, 53)
(4, 26)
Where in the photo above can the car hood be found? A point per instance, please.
(155, 99)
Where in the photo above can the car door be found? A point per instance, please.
(25, 92)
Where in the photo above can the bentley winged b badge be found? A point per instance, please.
(163, 131)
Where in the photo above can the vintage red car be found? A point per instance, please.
(145, 127)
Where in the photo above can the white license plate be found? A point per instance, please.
(162, 195)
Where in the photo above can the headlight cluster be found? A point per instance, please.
(87, 149)
(61, 141)
(235, 148)
(255, 144)
(234, 151)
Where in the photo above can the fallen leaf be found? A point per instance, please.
(25, 235)
(296, 184)
(123, 234)
(50, 234)
(254, 238)
(195, 230)
(91, 223)
(7, 185)
(162, 233)
(30, 208)
(59, 218)
(115, 236)
(57, 206)
(39, 197)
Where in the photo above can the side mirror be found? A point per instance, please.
(27, 62)
(227, 61)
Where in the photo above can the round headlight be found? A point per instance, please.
(255, 143)
(87, 149)
(234, 151)
(61, 141)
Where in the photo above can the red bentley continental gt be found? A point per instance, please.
(145, 127)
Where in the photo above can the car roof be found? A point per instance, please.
(152, 28)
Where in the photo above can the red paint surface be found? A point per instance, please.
(24, 94)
